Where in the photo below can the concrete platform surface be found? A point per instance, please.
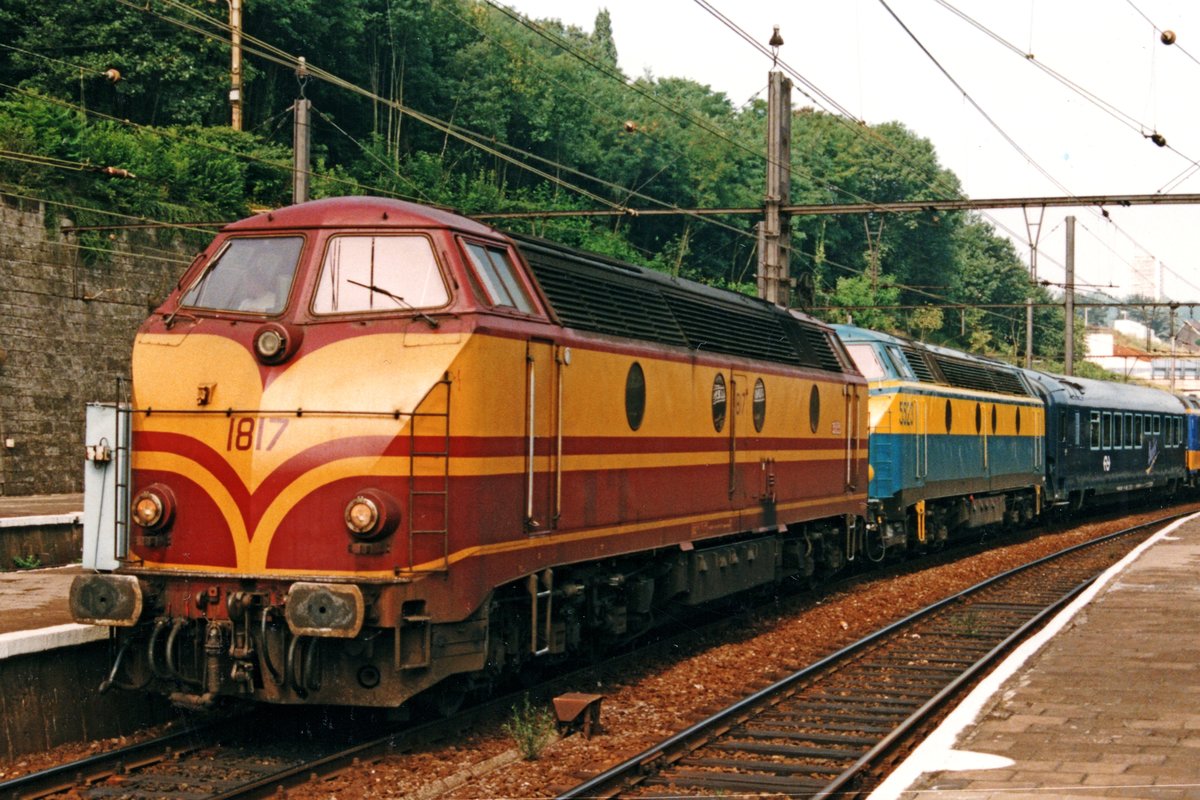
(1103, 703)
(40, 505)
(36, 598)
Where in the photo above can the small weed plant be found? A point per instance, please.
(531, 727)
(27, 562)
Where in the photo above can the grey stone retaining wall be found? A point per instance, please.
(67, 320)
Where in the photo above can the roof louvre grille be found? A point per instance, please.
(916, 360)
(980, 376)
(589, 293)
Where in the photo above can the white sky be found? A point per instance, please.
(855, 52)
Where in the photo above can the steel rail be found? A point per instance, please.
(614, 780)
(91, 768)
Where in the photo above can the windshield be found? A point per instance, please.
(251, 274)
(374, 273)
(867, 360)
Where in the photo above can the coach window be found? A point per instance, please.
(1095, 430)
(1129, 430)
(1157, 425)
(497, 277)
(1118, 431)
(1138, 439)
(379, 273)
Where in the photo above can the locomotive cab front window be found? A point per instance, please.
(250, 274)
(379, 273)
(868, 361)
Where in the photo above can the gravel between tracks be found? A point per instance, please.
(661, 696)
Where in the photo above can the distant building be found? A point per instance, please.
(1114, 350)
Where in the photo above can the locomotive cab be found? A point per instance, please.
(297, 381)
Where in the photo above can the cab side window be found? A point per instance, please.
(496, 277)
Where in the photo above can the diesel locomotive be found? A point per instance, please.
(375, 450)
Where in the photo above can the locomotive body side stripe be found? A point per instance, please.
(525, 544)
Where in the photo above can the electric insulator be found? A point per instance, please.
(1168, 37)
(1158, 139)
(113, 75)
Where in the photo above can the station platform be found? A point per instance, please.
(34, 616)
(21, 510)
(1103, 703)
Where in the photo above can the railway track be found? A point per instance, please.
(229, 760)
(833, 728)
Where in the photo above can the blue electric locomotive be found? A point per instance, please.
(1109, 441)
(955, 441)
(1191, 437)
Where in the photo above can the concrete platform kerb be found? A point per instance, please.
(1032, 722)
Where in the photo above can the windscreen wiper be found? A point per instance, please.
(400, 301)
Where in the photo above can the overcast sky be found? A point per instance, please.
(857, 53)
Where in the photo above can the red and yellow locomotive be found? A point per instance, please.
(377, 449)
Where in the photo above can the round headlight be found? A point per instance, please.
(276, 342)
(362, 515)
(147, 510)
(153, 508)
(269, 344)
(372, 514)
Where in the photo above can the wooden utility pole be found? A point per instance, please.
(235, 65)
(1069, 333)
(300, 147)
(774, 279)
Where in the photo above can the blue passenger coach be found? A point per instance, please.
(956, 440)
(1109, 441)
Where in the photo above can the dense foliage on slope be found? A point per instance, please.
(501, 94)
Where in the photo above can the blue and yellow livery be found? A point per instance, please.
(1192, 437)
(955, 440)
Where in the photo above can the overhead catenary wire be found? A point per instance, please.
(1112, 110)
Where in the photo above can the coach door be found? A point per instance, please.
(543, 434)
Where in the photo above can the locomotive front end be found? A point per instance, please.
(286, 452)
